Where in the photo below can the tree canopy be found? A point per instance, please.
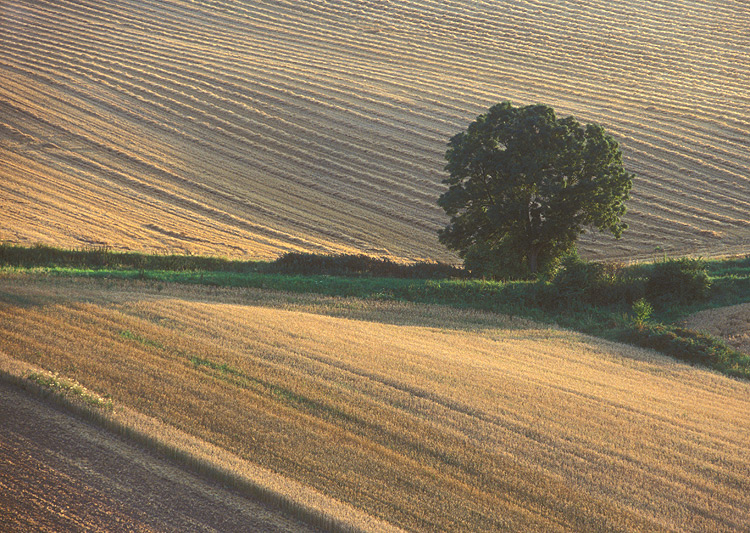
(523, 186)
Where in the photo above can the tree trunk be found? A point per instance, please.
(533, 258)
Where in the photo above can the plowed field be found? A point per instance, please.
(247, 129)
(58, 473)
(429, 418)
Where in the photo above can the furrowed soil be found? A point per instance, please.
(247, 129)
(432, 419)
(59, 473)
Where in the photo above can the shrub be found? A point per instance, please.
(488, 262)
(103, 257)
(642, 311)
(577, 280)
(595, 283)
(680, 281)
(691, 346)
(359, 265)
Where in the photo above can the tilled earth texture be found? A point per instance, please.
(59, 473)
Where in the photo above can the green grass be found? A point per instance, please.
(290, 263)
(105, 258)
(537, 300)
(127, 334)
(56, 384)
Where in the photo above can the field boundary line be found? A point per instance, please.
(300, 501)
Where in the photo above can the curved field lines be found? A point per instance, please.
(429, 418)
(247, 129)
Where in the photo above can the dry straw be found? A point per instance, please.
(422, 416)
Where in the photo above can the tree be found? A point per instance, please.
(524, 185)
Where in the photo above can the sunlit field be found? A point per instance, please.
(430, 418)
(247, 129)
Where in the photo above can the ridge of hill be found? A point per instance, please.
(247, 129)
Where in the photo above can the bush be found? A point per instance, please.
(681, 281)
(360, 265)
(642, 311)
(690, 346)
(502, 262)
(577, 280)
(595, 283)
(488, 262)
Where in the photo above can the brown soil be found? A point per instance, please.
(59, 473)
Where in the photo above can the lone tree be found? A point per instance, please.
(524, 184)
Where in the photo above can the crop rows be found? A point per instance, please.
(247, 129)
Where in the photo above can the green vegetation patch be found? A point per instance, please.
(639, 304)
(105, 259)
(691, 346)
(56, 384)
(127, 334)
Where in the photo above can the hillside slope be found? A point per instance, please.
(433, 419)
(247, 129)
(58, 473)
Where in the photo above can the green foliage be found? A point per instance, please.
(680, 281)
(527, 184)
(500, 261)
(595, 283)
(690, 346)
(593, 298)
(483, 260)
(642, 311)
(103, 257)
(360, 265)
(577, 280)
(738, 267)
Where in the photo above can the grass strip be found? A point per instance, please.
(536, 300)
(53, 383)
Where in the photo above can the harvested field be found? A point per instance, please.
(247, 129)
(429, 418)
(731, 324)
(58, 473)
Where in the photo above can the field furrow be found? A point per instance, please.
(321, 126)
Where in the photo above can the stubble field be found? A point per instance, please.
(428, 418)
(247, 129)
(732, 324)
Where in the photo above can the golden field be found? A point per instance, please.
(247, 129)
(432, 419)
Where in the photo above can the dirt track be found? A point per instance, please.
(58, 473)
